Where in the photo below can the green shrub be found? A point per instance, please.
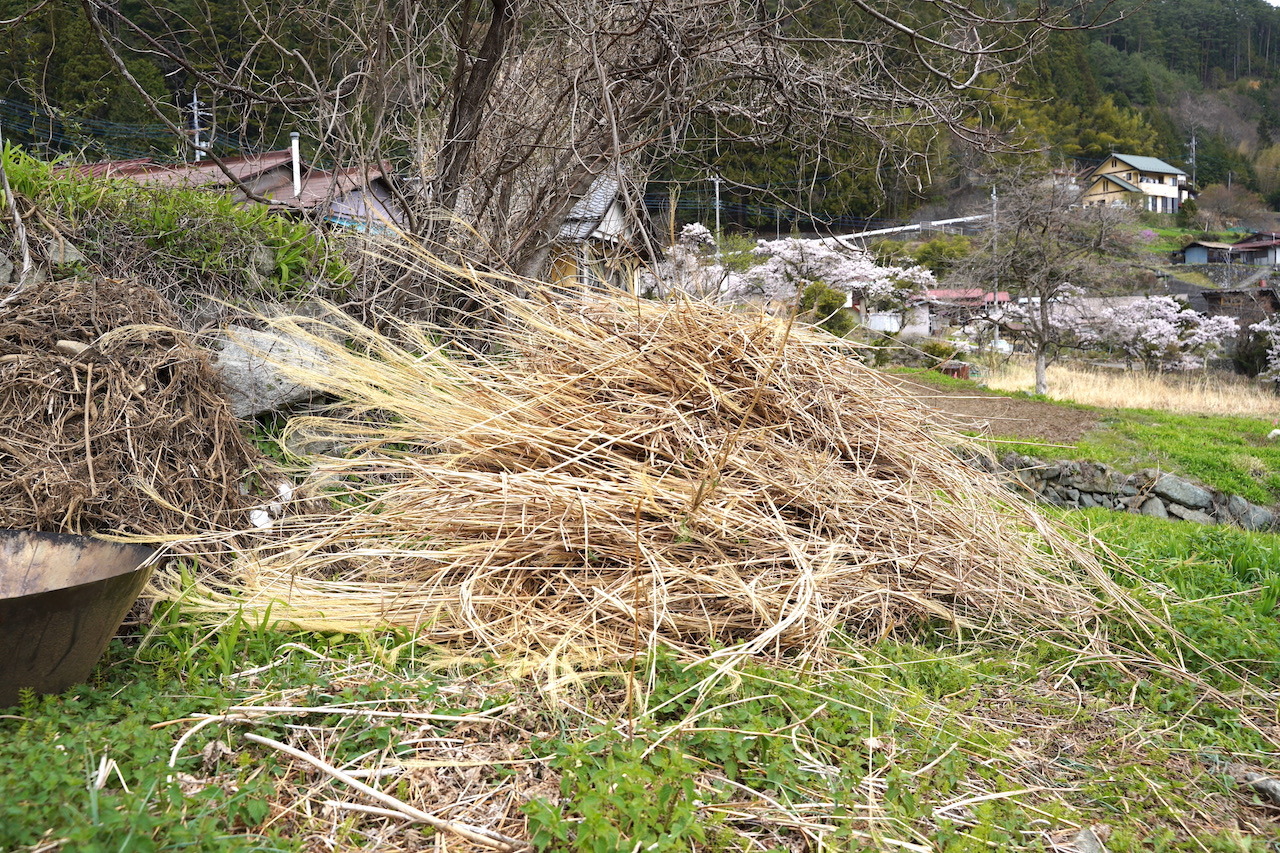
(824, 305)
(940, 351)
(942, 253)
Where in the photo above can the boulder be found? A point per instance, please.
(1258, 518)
(1154, 507)
(1180, 491)
(247, 364)
(1186, 514)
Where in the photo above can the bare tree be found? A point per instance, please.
(506, 110)
(1047, 251)
(1219, 207)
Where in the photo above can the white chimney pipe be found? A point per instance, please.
(297, 164)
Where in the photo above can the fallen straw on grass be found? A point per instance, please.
(479, 835)
(618, 474)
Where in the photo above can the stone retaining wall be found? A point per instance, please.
(1081, 485)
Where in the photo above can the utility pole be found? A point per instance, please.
(717, 180)
(995, 249)
(1193, 155)
(197, 113)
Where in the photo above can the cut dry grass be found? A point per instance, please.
(625, 474)
(1198, 393)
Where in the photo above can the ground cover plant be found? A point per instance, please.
(919, 741)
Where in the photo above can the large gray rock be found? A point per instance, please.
(1258, 518)
(247, 364)
(1187, 514)
(1180, 491)
(1096, 478)
(1154, 507)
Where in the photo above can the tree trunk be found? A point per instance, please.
(1042, 367)
(473, 81)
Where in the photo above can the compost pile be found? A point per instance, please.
(621, 473)
(111, 421)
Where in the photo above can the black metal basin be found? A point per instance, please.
(62, 597)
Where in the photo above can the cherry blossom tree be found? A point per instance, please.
(791, 264)
(1044, 248)
(691, 266)
(1269, 331)
(1164, 334)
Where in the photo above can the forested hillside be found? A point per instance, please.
(1191, 81)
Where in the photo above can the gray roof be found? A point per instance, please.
(1116, 179)
(590, 210)
(1148, 164)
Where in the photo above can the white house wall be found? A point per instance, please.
(613, 226)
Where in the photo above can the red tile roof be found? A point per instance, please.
(967, 294)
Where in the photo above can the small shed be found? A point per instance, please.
(1203, 252)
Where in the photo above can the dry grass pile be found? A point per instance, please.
(111, 421)
(1214, 393)
(621, 473)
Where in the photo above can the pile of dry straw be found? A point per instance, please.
(618, 473)
(112, 420)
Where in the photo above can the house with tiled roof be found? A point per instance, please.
(1146, 182)
(360, 197)
(603, 242)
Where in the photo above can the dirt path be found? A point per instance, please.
(996, 415)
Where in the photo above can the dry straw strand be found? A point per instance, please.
(613, 467)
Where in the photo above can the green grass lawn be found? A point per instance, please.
(1231, 454)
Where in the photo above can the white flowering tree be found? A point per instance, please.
(1162, 333)
(1269, 331)
(691, 266)
(791, 264)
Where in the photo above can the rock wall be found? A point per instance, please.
(1228, 275)
(1081, 485)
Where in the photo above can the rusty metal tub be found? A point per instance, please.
(62, 598)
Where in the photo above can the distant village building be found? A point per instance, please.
(957, 307)
(1147, 182)
(1247, 305)
(1261, 248)
(603, 243)
(360, 197)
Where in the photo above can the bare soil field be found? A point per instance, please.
(995, 415)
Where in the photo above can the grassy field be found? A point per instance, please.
(1198, 393)
(933, 736)
(1210, 427)
(922, 741)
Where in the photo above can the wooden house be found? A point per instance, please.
(1146, 182)
(603, 242)
(1247, 305)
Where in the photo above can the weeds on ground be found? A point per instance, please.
(923, 741)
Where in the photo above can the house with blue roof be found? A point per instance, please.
(1146, 182)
